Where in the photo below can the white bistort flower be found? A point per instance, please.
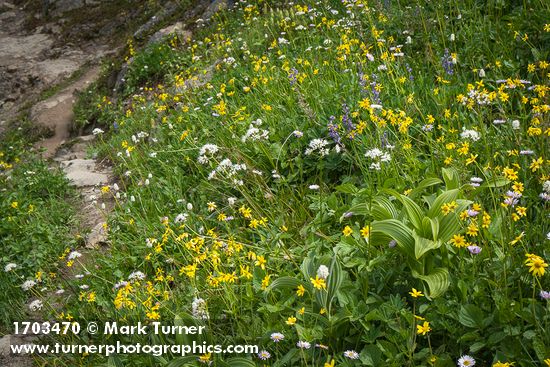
(36, 305)
(470, 134)
(323, 272)
(199, 309)
(28, 284)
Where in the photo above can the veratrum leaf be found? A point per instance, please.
(284, 283)
(451, 178)
(396, 230)
(423, 245)
(445, 197)
(425, 183)
(383, 208)
(437, 280)
(414, 212)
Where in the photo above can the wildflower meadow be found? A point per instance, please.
(340, 183)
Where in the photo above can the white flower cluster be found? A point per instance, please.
(479, 97)
(9, 267)
(317, 145)
(545, 194)
(199, 309)
(254, 133)
(323, 272)
(470, 134)
(136, 275)
(181, 218)
(378, 156)
(206, 151)
(227, 169)
(36, 305)
(28, 284)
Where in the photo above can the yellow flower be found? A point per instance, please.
(302, 310)
(459, 241)
(486, 220)
(517, 239)
(301, 290)
(329, 364)
(14, 204)
(265, 281)
(415, 294)
(211, 206)
(536, 265)
(547, 361)
(365, 232)
(318, 283)
(291, 320)
(423, 329)
(260, 262)
(536, 164)
(205, 358)
(509, 173)
(501, 364)
(448, 207)
(347, 231)
(472, 230)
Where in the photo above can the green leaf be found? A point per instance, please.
(423, 245)
(360, 209)
(240, 362)
(396, 230)
(451, 178)
(425, 183)
(114, 361)
(383, 208)
(284, 283)
(445, 197)
(286, 358)
(471, 316)
(495, 182)
(414, 212)
(437, 280)
(347, 188)
(183, 361)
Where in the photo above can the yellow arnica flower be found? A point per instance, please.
(536, 265)
(423, 329)
(318, 283)
(301, 290)
(347, 231)
(414, 293)
(291, 320)
(503, 364)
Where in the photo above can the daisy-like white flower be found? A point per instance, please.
(264, 355)
(277, 337)
(466, 361)
(73, 255)
(9, 267)
(303, 344)
(351, 354)
(314, 187)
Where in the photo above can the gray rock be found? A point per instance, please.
(175, 29)
(83, 172)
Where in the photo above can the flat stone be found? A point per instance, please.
(82, 173)
(97, 236)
